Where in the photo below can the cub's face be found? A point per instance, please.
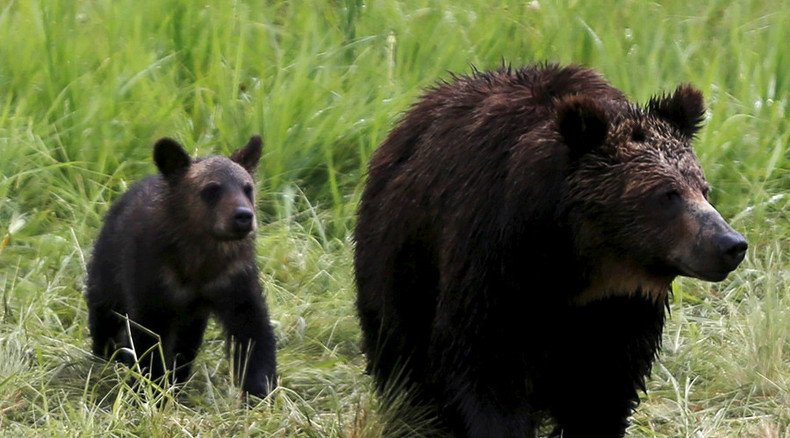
(639, 197)
(221, 194)
(214, 194)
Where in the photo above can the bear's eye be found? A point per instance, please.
(705, 191)
(210, 193)
(638, 135)
(248, 191)
(670, 197)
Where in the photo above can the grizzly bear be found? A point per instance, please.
(515, 246)
(175, 248)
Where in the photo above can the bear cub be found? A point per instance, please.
(176, 248)
(516, 243)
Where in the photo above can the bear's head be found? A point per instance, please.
(637, 199)
(211, 196)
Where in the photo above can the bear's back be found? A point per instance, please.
(477, 138)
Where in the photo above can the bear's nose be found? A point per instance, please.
(242, 219)
(732, 247)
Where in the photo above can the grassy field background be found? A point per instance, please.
(86, 87)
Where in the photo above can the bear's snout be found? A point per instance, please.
(722, 248)
(243, 219)
(732, 249)
(234, 220)
(715, 251)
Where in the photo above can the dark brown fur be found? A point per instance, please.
(516, 242)
(175, 248)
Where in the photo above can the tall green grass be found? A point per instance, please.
(87, 86)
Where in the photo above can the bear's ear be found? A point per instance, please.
(582, 123)
(171, 158)
(249, 155)
(684, 109)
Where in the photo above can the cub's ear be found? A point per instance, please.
(684, 109)
(249, 155)
(171, 158)
(582, 123)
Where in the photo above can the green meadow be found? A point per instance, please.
(86, 88)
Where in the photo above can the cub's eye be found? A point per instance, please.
(210, 193)
(248, 191)
(705, 191)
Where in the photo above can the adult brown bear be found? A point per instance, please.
(516, 242)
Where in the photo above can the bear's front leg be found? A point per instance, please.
(592, 393)
(482, 392)
(185, 343)
(485, 408)
(601, 358)
(605, 416)
(475, 413)
(244, 315)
